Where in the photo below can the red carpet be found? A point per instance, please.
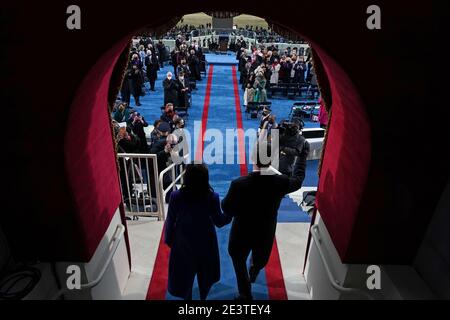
(240, 127)
(158, 283)
(274, 273)
(201, 142)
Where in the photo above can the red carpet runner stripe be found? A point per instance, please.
(240, 127)
(201, 141)
(274, 273)
(158, 284)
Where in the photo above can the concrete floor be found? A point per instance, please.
(145, 235)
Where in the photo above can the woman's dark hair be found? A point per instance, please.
(196, 180)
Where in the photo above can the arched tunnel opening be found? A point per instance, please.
(348, 123)
(367, 200)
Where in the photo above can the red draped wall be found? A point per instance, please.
(62, 158)
(90, 154)
(346, 158)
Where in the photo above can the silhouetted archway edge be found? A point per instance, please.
(343, 174)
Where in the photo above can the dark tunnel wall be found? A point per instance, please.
(44, 64)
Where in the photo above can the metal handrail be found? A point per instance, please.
(118, 235)
(334, 282)
(138, 156)
(218, 31)
(172, 185)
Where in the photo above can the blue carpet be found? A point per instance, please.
(311, 178)
(153, 101)
(221, 59)
(222, 116)
(281, 108)
(289, 211)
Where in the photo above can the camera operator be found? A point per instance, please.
(293, 146)
(137, 125)
(266, 116)
(268, 121)
(128, 142)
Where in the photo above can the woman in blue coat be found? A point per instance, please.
(190, 232)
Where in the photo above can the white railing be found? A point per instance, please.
(335, 283)
(176, 177)
(115, 241)
(138, 175)
(284, 45)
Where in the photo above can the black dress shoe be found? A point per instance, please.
(138, 104)
(253, 274)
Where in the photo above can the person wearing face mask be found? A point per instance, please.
(285, 71)
(178, 41)
(183, 90)
(275, 68)
(142, 53)
(152, 66)
(198, 51)
(242, 43)
(246, 73)
(266, 117)
(161, 52)
(192, 45)
(194, 66)
(300, 70)
(260, 84)
(170, 90)
(241, 65)
(174, 58)
(183, 68)
(169, 115)
(136, 61)
(182, 55)
(137, 124)
(134, 79)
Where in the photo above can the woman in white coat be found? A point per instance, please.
(275, 68)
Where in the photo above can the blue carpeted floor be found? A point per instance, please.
(221, 59)
(290, 212)
(222, 116)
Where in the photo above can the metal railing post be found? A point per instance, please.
(333, 281)
(115, 241)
